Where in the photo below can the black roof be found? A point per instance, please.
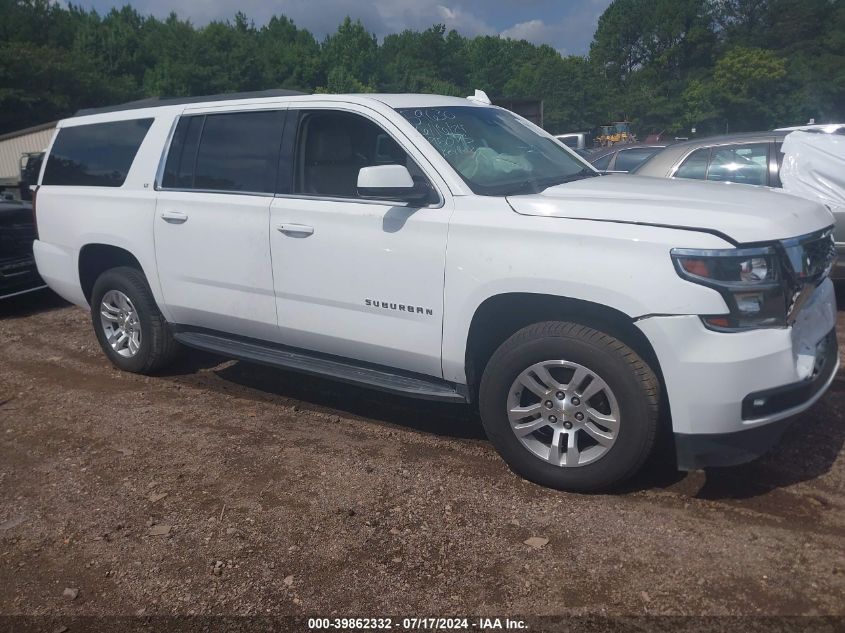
(28, 130)
(153, 102)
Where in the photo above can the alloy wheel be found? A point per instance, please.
(564, 413)
(120, 322)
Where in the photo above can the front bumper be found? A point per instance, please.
(709, 376)
(701, 450)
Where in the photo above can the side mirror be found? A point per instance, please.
(390, 182)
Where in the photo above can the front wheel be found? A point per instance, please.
(569, 407)
(129, 326)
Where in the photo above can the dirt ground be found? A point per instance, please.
(228, 488)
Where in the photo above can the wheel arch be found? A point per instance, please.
(96, 258)
(501, 315)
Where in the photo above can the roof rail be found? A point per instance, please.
(153, 102)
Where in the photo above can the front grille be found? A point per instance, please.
(810, 257)
(808, 261)
(16, 240)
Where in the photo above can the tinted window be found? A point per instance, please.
(332, 147)
(603, 162)
(179, 169)
(236, 151)
(695, 166)
(239, 152)
(745, 164)
(97, 155)
(627, 159)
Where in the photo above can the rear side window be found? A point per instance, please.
(603, 162)
(695, 166)
(237, 152)
(96, 155)
(627, 159)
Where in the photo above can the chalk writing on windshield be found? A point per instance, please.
(441, 130)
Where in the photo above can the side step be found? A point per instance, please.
(405, 384)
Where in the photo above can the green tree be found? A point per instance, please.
(663, 64)
(351, 53)
(174, 68)
(743, 78)
(289, 56)
(645, 53)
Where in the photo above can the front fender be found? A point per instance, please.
(622, 266)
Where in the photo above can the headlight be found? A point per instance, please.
(749, 279)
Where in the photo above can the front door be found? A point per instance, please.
(212, 218)
(356, 277)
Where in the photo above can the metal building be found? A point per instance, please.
(15, 147)
(531, 109)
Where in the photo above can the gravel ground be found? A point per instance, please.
(231, 489)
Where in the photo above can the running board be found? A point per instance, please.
(327, 367)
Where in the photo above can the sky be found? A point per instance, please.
(567, 25)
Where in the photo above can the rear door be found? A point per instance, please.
(212, 218)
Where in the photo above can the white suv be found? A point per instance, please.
(447, 250)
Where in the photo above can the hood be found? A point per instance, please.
(742, 213)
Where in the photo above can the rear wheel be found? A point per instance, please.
(570, 407)
(129, 326)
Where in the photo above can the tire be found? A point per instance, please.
(605, 452)
(156, 347)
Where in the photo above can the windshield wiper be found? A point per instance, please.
(538, 186)
(578, 175)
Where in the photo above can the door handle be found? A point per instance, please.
(295, 230)
(174, 217)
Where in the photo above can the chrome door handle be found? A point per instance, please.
(174, 217)
(295, 230)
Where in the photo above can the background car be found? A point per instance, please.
(18, 274)
(622, 158)
(751, 159)
(827, 128)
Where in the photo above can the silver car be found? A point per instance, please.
(752, 158)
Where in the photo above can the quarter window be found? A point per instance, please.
(237, 152)
(96, 155)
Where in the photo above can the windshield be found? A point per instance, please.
(494, 151)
